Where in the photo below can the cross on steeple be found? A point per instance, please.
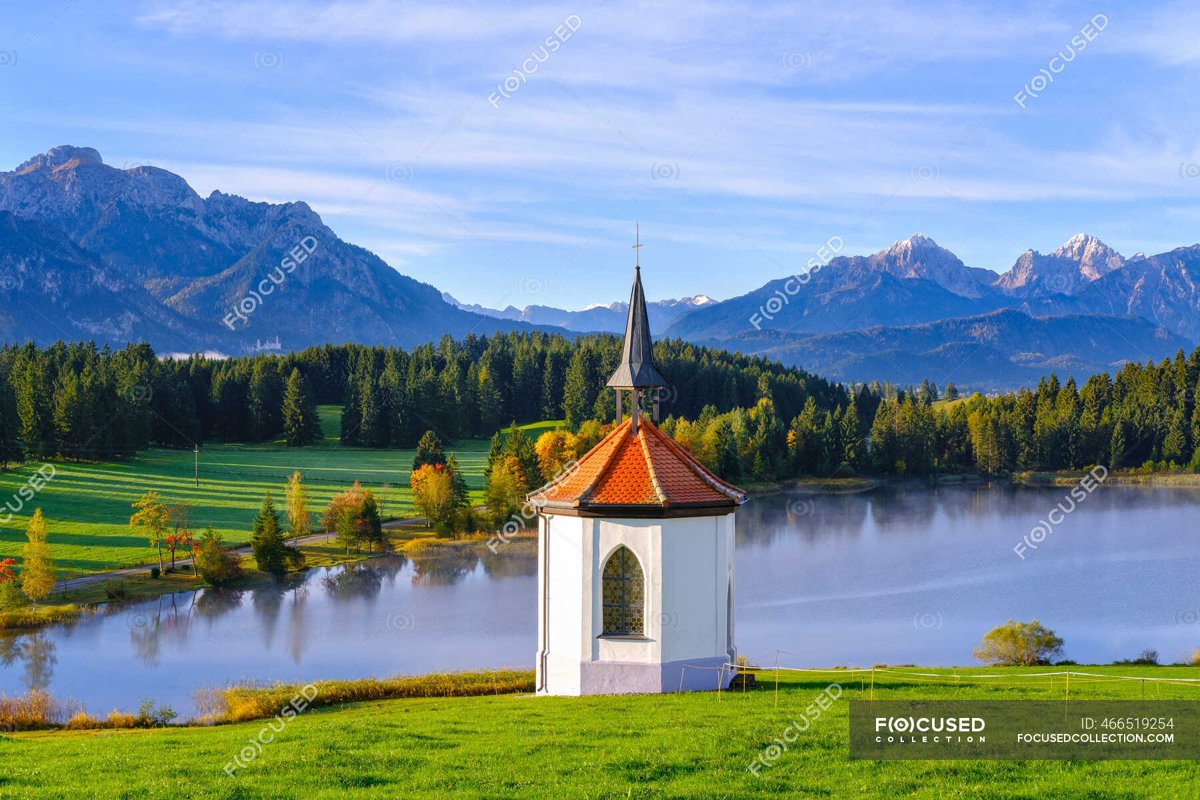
(637, 246)
(636, 370)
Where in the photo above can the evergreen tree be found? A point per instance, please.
(33, 393)
(352, 416)
(370, 525)
(10, 444)
(265, 401)
(429, 451)
(458, 484)
(300, 423)
(266, 540)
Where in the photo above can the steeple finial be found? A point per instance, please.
(637, 246)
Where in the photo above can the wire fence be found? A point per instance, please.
(869, 676)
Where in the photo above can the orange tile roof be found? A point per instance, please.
(645, 474)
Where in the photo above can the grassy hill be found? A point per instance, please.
(667, 746)
(87, 504)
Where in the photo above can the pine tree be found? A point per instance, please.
(461, 497)
(1117, 446)
(851, 438)
(300, 423)
(266, 540)
(37, 567)
(265, 401)
(1175, 444)
(429, 451)
(371, 431)
(491, 404)
(351, 416)
(370, 525)
(578, 397)
(10, 444)
(33, 393)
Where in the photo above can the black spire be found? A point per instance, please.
(637, 369)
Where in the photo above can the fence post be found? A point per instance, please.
(777, 679)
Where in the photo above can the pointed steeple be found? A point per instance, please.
(637, 369)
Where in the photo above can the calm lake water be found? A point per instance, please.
(889, 576)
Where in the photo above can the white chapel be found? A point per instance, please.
(635, 553)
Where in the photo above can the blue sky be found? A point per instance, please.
(742, 135)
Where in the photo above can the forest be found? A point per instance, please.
(748, 418)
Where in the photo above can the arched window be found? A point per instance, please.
(624, 594)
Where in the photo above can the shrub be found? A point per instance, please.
(10, 596)
(154, 573)
(115, 590)
(1019, 644)
(154, 716)
(31, 711)
(240, 703)
(215, 562)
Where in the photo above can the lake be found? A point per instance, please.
(888, 576)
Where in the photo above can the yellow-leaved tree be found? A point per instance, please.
(37, 567)
(297, 507)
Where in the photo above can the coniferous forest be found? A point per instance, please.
(748, 418)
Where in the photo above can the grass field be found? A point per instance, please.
(87, 504)
(667, 746)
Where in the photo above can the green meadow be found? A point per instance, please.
(697, 745)
(87, 505)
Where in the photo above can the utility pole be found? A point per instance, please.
(196, 462)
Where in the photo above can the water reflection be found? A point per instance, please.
(35, 655)
(446, 610)
(895, 576)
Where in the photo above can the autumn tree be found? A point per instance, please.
(179, 517)
(433, 494)
(153, 519)
(37, 567)
(353, 515)
(178, 541)
(296, 497)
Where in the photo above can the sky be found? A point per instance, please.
(504, 152)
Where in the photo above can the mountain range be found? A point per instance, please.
(136, 254)
(89, 251)
(598, 317)
(915, 311)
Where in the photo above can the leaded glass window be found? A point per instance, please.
(624, 594)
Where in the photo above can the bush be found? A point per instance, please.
(115, 590)
(151, 716)
(154, 573)
(215, 562)
(10, 596)
(240, 703)
(29, 712)
(1021, 644)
